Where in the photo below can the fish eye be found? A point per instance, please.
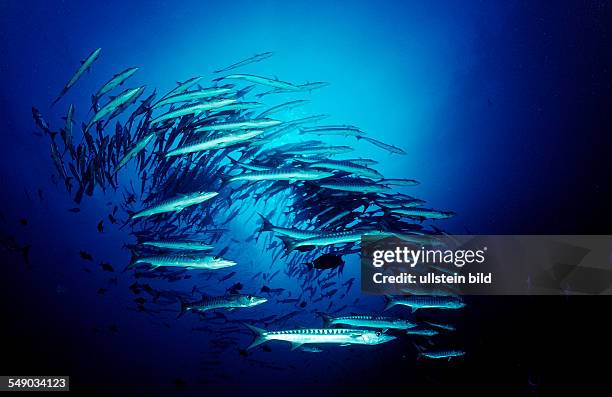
(216, 257)
(249, 297)
(378, 333)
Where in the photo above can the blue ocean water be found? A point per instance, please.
(502, 108)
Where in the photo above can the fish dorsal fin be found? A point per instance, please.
(296, 345)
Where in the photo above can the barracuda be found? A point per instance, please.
(261, 80)
(191, 96)
(338, 336)
(229, 302)
(442, 354)
(117, 102)
(267, 226)
(215, 142)
(193, 109)
(133, 152)
(184, 86)
(176, 204)
(425, 302)
(203, 262)
(343, 130)
(283, 174)
(377, 322)
(347, 167)
(324, 239)
(254, 58)
(85, 65)
(115, 81)
(424, 213)
(283, 107)
(179, 245)
(256, 123)
(322, 150)
(355, 185)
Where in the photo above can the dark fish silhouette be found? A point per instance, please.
(325, 262)
(85, 255)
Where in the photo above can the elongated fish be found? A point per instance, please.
(179, 245)
(267, 226)
(253, 59)
(342, 130)
(281, 174)
(229, 302)
(240, 125)
(353, 185)
(382, 145)
(133, 152)
(442, 354)
(261, 80)
(117, 102)
(423, 213)
(365, 321)
(204, 262)
(192, 109)
(283, 107)
(190, 96)
(215, 142)
(115, 81)
(85, 65)
(325, 239)
(184, 86)
(417, 302)
(66, 132)
(176, 204)
(337, 336)
(308, 87)
(346, 166)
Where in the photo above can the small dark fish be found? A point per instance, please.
(23, 221)
(107, 267)
(101, 226)
(85, 256)
(25, 253)
(227, 276)
(112, 219)
(303, 304)
(266, 348)
(113, 328)
(243, 352)
(102, 291)
(325, 262)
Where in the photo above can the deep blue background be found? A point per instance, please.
(503, 108)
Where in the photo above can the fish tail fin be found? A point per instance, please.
(259, 336)
(225, 180)
(184, 308)
(266, 225)
(327, 319)
(390, 302)
(288, 242)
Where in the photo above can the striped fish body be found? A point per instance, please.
(283, 174)
(377, 322)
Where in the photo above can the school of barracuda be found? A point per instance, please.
(201, 156)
